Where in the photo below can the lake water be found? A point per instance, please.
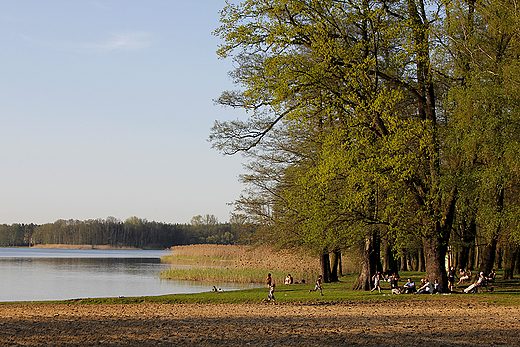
(35, 274)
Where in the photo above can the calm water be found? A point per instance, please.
(28, 274)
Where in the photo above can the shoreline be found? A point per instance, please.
(62, 246)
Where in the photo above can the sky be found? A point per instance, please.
(105, 110)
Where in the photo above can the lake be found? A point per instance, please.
(35, 274)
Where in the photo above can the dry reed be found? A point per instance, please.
(240, 264)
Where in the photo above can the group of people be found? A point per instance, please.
(465, 275)
(409, 287)
(289, 280)
(427, 287)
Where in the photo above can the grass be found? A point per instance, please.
(504, 293)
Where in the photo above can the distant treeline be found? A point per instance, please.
(133, 232)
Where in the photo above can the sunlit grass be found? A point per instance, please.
(504, 293)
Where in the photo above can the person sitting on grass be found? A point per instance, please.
(409, 287)
(464, 276)
(491, 276)
(437, 288)
(394, 284)
(427, 288)
(289, 279)
(271, 294)
(318, 286)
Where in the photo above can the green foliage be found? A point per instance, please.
(133, 232)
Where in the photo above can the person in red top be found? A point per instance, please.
(268, 280)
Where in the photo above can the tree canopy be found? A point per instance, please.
(370, 116)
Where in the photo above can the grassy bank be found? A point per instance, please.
(231, 263)
(504, 293)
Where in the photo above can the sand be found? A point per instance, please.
(382, 324)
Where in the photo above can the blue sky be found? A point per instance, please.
(105, 110)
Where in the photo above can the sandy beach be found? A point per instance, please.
(392, 323)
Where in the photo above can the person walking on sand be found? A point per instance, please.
(318, 286)
(271, 294)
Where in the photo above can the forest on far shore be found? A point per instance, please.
(133, 232)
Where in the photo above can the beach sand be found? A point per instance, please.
(387, 323)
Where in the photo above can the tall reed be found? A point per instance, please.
(234, 263)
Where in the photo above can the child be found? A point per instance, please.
(317, 286)
(271, 294)
(376, 278)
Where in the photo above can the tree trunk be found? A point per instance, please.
(370, 261)
(420, 260)
(390, 264)
(403, 263)
(409, 262)
(517, 266)
(471, 257)
(435, 253)
(488, 258)
(325, 267)
(510, 254)
(498, 257)
(336, 271)
(466, 254)
(436, 245)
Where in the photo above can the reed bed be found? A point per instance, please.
(232, 263)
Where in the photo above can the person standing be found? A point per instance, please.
(451, 279)
(268, 280)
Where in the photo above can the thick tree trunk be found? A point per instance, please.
(436, 245)
(435, 253)
(370, 261)
(488, 258)
(325, 267)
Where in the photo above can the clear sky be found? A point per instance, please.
(105, 110)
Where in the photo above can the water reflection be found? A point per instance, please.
(43, 274)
